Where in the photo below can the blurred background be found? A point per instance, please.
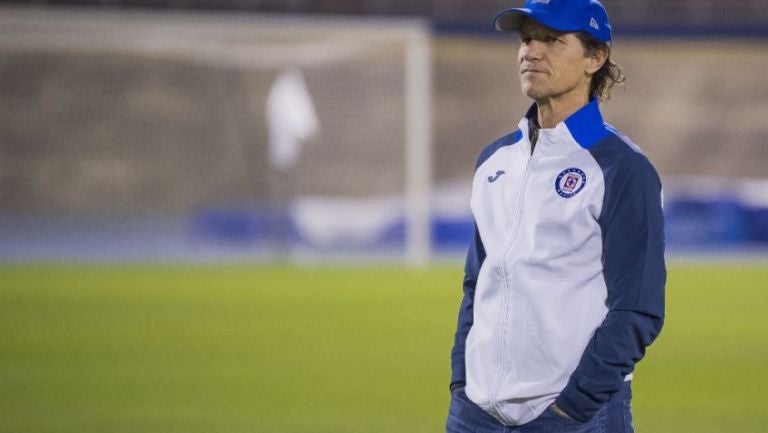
(188, 130)
(245, 215)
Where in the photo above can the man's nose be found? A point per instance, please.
(531, 50)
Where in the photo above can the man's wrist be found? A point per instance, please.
(559, 412)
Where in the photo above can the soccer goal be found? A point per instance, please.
(295, 134)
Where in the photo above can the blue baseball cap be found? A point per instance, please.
(563, 15)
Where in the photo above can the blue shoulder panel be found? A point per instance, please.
(632, 227)
(506, 140)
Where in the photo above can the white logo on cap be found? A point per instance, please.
(593, 23)
(546, 2)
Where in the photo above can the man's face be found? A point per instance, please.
(552, 63)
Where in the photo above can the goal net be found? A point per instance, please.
(279, 135)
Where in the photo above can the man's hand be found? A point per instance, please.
(559, 412)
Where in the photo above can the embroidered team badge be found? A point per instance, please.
(570, 182)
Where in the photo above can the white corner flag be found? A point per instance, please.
(291, 117)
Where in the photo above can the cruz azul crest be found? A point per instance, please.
(570, 182)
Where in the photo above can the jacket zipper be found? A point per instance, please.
(506, 252)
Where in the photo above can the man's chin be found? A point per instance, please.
(532, 92)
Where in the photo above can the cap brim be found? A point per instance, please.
(510, 20)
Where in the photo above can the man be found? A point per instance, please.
(564, 279)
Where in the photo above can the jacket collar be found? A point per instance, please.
(581, 130)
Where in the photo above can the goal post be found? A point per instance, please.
(418, 144)
(198, 107)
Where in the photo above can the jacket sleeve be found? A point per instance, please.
(632, 226)
(475, 258)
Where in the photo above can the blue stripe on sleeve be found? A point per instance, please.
(475, 258)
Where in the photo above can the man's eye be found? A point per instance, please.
(525, 39)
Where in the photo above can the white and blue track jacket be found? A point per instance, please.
(564, 279)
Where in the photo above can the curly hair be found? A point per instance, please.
(609, 75)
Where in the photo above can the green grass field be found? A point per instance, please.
(146, 349)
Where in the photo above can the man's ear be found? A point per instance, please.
(596, 59)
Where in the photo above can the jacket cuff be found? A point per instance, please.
(577, 405)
